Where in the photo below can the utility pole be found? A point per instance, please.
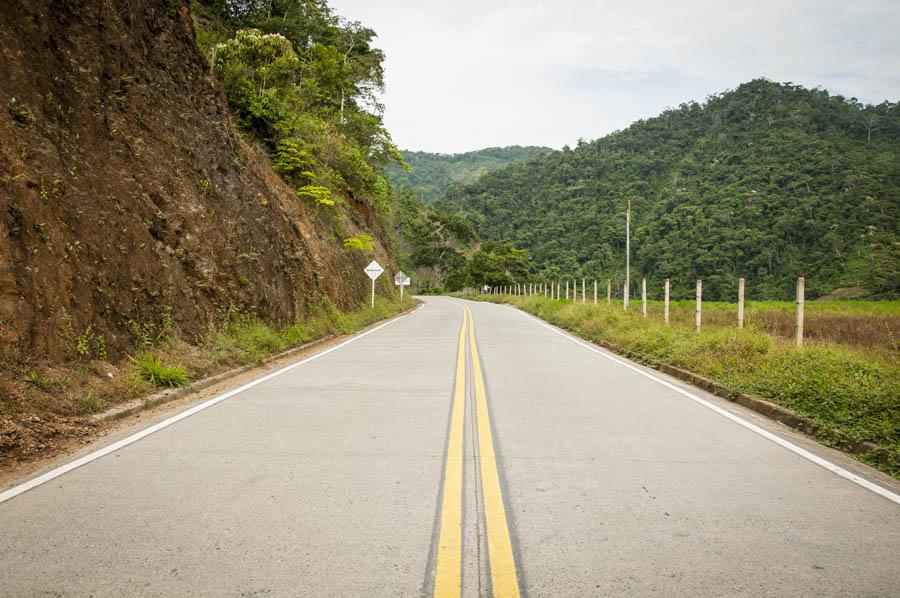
(627, 252)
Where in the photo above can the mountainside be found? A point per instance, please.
(129, 203)
(768, 181)
(431, 174)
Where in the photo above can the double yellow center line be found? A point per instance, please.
(448, 573)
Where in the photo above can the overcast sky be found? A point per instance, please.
(470, 74)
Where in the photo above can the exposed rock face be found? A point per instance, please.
(126, 198)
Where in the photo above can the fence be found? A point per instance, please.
(553, 290)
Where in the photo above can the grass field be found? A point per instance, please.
(846, 376)
(873, 324)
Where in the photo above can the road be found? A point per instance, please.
(412, 462)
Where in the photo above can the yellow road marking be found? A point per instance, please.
(502, 562)
(448, 576)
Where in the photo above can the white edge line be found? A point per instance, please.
(64, 469)
(836, 469)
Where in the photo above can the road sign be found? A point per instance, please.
(401, 280)
(374, 270)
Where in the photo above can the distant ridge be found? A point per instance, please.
(769, 181)
(432, 173)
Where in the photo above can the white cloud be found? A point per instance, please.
(466, 75)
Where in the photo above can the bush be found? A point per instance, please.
(363, 243)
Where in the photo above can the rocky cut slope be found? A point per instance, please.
(127, 201)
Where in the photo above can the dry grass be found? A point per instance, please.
(835, 322)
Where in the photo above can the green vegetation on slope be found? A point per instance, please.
(768, 182)
(852, 389)
(430, 175)
(303, 82)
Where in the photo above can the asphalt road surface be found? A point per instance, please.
(413, 461)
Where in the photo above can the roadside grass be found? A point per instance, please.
(166, 360)
(41, 381)
(849, 387)
(151, 368)
(247, 340)
(87, 404)
(243, 340)
(872, 324)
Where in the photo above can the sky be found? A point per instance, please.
(464, 75)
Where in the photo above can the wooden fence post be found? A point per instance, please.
(699, 301)
(644, 297)
(740, 302)
(666, 303)
(595, 291)
(609, 291)
(801, 283)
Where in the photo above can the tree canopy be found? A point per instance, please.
(768, 182)
(429, 175)
(304, 82)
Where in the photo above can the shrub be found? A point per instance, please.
(363, 243)
(321, 195)
(293, 163)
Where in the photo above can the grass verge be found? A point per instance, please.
(45, 405)
(149, 367)
(851, 389)
(244, 340)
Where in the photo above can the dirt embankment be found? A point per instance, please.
(128, 204)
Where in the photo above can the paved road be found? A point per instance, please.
(411, 462)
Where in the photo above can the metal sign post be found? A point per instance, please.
(401, 280)
(373, 271)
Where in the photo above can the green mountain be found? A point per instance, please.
(431, 174)
(768, 182)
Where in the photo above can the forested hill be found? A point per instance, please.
(769, 181)
(432, 174)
